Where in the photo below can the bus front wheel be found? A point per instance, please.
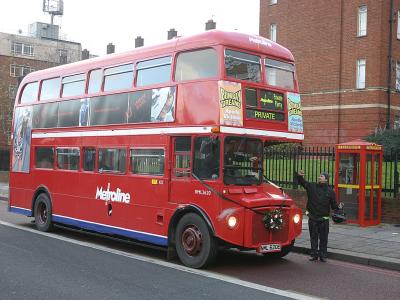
(43, 214)
(195, 245)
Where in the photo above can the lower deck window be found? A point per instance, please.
(112, 160)
(44, 157)
(67, 158)
(89, 159)
(148, 161)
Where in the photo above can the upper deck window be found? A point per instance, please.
(242, 65)
(50, 88)
(95, 78)
(118, 78)
(279, 74)
(196, 65)
(154, 71)
(30, 92)
(73, 85)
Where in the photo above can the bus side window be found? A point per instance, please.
(154, 71)
(95, 79)
(67, 158)
(112, 160)
(44, 157)
(182, 156)
(206, 158)
(148, 161)
(89, 159)
(196, 64)
(30, 92)
(118, 78)
(50, 88)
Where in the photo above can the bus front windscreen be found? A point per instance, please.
(243, 160)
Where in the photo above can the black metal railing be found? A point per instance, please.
(282, 165)
(4, 160)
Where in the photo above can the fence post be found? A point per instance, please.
(295, 184)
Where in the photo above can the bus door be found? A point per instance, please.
(195, 169)
(180, 168)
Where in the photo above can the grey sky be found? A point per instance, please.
(96, 23)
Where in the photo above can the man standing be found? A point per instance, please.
(321, 198)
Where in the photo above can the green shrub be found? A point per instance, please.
(388, 138)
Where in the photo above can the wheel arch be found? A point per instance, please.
(179, 213)
(40, 190)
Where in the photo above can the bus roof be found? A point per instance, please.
(238, 40)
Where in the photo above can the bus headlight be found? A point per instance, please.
(296, 218)
(232, 221)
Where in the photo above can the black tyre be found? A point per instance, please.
(43, 213)
(195, 245)
(285, 251)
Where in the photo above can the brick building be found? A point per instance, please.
(341, 50)
(20, 55)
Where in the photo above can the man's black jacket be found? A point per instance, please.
(321, 198)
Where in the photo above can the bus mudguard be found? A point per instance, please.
(39, 190)
(182, 211)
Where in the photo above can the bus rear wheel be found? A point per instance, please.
(195, 245)
(43, 214)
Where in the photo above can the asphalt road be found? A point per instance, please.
(72, 265)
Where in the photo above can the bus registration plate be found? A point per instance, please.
(269, 248)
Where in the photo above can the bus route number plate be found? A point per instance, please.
(269, 248)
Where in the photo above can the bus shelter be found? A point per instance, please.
(358, 181)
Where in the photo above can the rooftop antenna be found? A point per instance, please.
(54, 8)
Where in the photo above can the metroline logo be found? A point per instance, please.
(114, 196)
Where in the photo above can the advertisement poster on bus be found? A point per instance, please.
(295, 114)
(230, 100)
(22, 139)
(163, 104)
(156, 105)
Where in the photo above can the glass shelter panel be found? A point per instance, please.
(349, 185)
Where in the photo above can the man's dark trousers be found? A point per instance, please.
(319, 230)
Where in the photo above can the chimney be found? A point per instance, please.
(110, 48)
(85, 54)
(211, 25)
(172, 33)
(139, 42)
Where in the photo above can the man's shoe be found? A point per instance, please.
(314, 258)
(322, 259)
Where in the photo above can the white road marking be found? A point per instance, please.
(159, 262)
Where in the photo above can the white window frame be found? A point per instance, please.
(398, 24)
(18, 71)
(273, 28)
(272, 2)
(361, 73)
(26, 49)
(12, 91)
(398, 76)
(362, 21)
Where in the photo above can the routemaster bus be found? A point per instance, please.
(163, 145)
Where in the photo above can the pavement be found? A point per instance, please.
(377, 246)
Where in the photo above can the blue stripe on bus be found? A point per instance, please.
(19, 210)
(137, 235)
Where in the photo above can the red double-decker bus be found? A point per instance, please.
(163, 145)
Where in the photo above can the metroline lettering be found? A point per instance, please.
(114, 196)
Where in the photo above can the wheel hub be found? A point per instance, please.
(192, 240)
(42, 213)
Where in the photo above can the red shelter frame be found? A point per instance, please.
(358, 181)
